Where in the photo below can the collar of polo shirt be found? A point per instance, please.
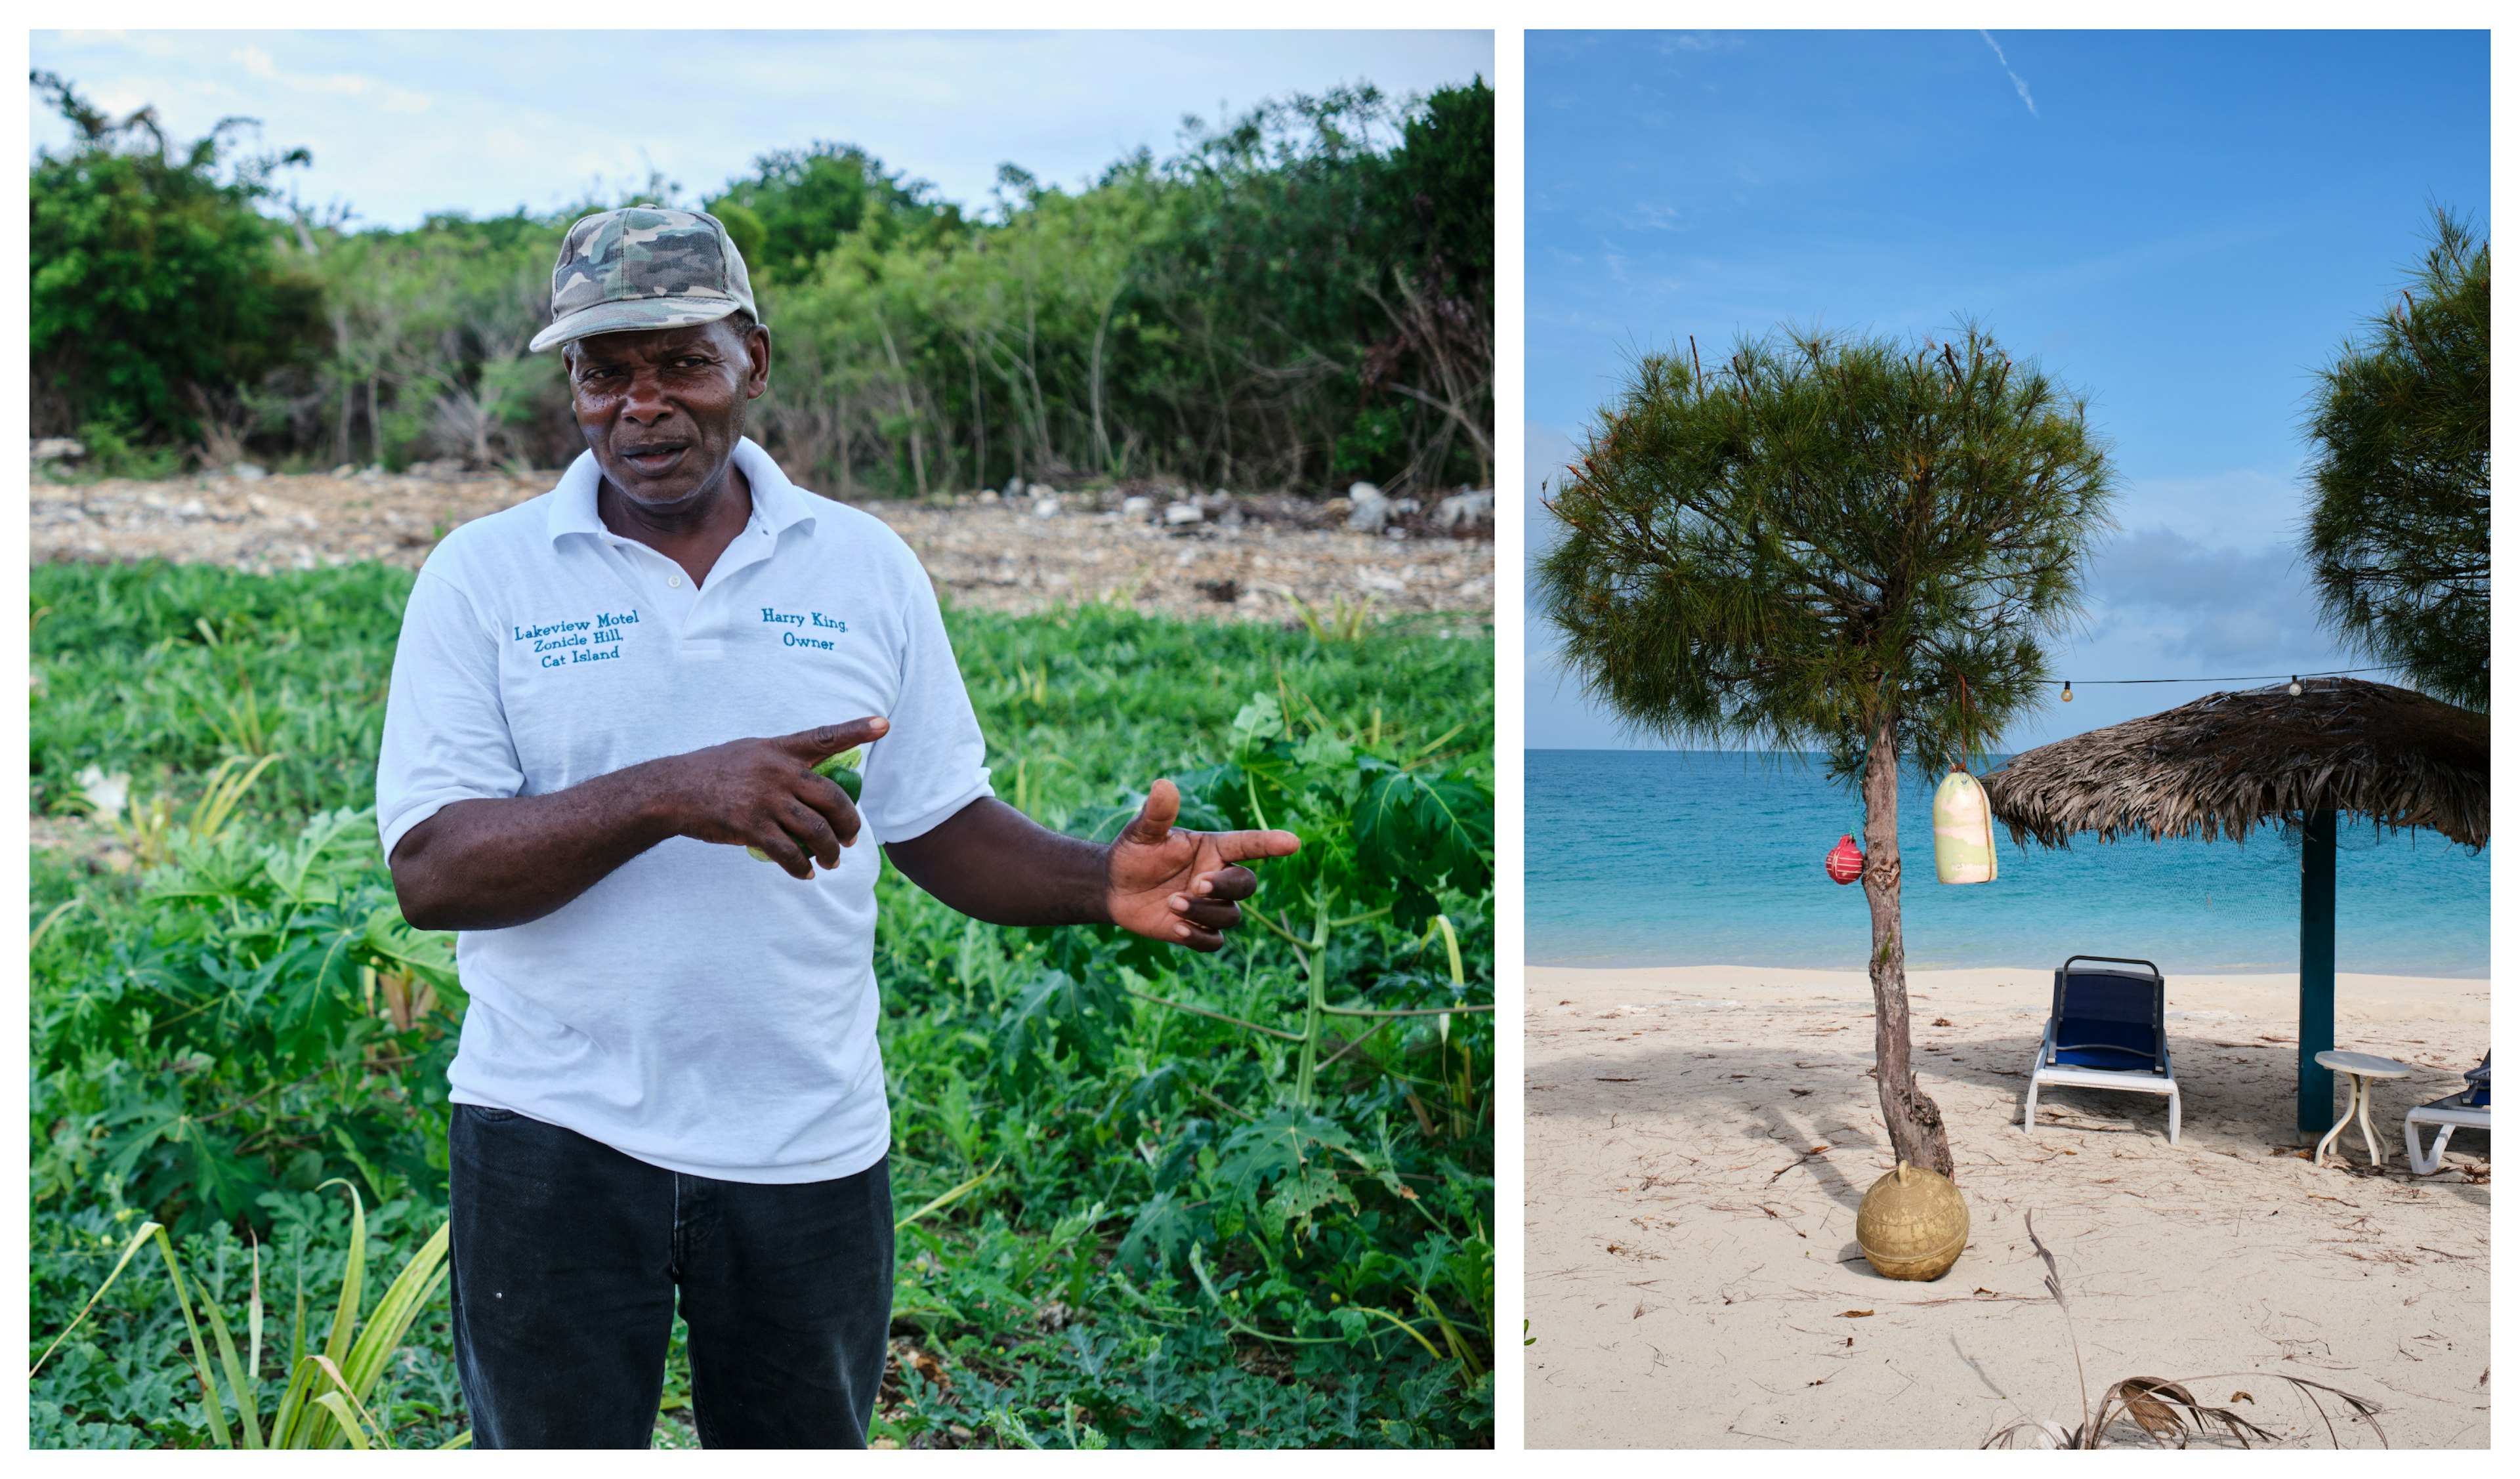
(777, 505)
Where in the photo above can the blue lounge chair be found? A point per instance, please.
(2104, 1031)
(2470, 1109)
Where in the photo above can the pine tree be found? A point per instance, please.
(1848, 545)
(2402, 472)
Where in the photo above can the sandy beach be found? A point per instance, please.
(1697, 1140)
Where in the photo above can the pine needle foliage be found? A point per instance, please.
(1825, 542)
(2401, 427)
(1822, 535)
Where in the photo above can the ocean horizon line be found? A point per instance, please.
(2168, 973)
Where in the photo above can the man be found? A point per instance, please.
(668, 1076)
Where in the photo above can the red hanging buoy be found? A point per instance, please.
(1845, 861)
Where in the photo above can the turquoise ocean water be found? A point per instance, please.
(1692, 858)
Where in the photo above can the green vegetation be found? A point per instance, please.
(1845, 544)
(2401, 432)
(155, 283)
(1246, 1216)
(1293, 299)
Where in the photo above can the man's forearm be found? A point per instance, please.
(999, 866)
(490, 863)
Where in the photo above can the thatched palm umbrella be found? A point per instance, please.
(2226, 762)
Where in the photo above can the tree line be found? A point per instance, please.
(1290, 299)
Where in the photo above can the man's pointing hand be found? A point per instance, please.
(764, 794)
(1183, 887)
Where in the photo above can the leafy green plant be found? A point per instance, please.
(1373, 828)
(215, 1037)
(251, 983)
(324, 1403)
(1341, 622)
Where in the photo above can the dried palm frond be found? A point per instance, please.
(2166, 1413)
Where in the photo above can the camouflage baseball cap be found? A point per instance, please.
(643, 267)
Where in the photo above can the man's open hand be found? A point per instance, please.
(763, 793)
(1183, 887)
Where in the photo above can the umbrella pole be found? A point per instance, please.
(2317, 968)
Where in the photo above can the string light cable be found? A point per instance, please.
(2294, 688)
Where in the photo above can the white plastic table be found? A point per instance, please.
(2362, 1070)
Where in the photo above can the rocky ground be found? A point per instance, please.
(1252, 558)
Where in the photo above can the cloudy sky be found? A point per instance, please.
(404, 123)
(2184, 225)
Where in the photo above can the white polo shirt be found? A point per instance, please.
(699, 1008)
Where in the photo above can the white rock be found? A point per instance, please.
(988, 495)
(248, 473)
(1043, 505)
(1465, 508)
(347, 470)
(1403, 505)
(1039, 491)
(1183, 514)
(1136, 506)
(191, 508)
(54, 448)
(105, 793)
(1395, 532)
(1368, 510)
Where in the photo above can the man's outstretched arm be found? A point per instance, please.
(487, 864)
(994, 864)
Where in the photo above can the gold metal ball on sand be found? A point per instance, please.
(1912, 1224)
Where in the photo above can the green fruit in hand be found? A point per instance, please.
(842, 768)
(839, 768)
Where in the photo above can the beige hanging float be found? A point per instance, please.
(1963, 830)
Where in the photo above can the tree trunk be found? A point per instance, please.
(908, 411)
(979, 420)
(1094, 377)
(1914, 1121)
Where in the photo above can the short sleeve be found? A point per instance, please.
(446, 735)
(931, 762)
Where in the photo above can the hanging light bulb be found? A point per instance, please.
(2069, 690)
(2295, 689)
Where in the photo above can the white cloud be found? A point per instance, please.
(2018, 85)
(2247, 507)
(258, 63)
(945, 107)
(2206, 608)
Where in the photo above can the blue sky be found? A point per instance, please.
(403, 123)
(2185, 225)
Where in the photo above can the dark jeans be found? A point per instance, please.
(563, 1265)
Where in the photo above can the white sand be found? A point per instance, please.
(1691, 1258)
